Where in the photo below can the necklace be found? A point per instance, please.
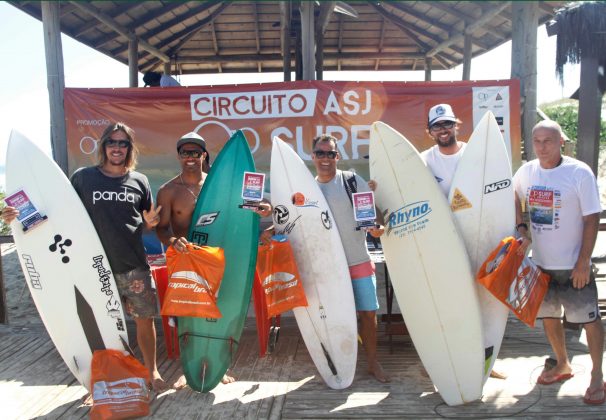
(188, 189)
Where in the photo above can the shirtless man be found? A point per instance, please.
(178, 199)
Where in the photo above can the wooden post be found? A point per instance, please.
(428, 61)
(590, 105)
(298, 58)
(167, 68)
(55, 80)
(525, 19)
(467, 57)
(133, 60)
(320, 56)
(285, 34)
(307, 39)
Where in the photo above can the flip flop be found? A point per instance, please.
(589, 393)
(558, 378)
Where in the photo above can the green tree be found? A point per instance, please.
(567, 115)
(4, 228)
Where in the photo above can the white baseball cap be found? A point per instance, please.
(440, 112)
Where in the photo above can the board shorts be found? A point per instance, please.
(138, 293)
(579, 305)
(364, 284)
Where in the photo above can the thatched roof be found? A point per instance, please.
(581, 31)
(240, 36)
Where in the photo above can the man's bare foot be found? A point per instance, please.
(377, 371)
(158, 384)
(497, 375)
(228, 379)
(180, 383)
(87, 400)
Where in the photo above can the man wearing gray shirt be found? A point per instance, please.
(325, 157)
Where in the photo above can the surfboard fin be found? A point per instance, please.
(331, 365)
(127, 347)
(203, 373)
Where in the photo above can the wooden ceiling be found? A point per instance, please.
(239, 36)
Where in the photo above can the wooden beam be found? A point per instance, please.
(285, 38)
(404, 28)
(308, 42)
(133, 60)
(119, 28)
(420, 16)
(381, 40)
(469, 30)
(215, 43)
(467, 58)
(524, 66)
(590, 106)
(340, 40)
(465, 18)
(432, 22)
(428, 64)
(93, 23)
(253, 58)
(55, 80)
(161, 28)
(326, 9)
(321, 24)
(185, 35)
(256, 20)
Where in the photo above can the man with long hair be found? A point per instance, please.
(119, 202)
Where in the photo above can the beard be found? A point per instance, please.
(451, 140)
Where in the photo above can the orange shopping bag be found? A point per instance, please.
(515, 280)
(277, 271)
(118, 386)
(194, 278)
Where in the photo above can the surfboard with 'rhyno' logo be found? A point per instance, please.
(62, 258)
(428, 266)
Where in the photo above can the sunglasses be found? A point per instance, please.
(120, 143)
(190, 153)
(322, 154)
(447, 125)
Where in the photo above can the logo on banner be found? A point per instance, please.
(246, 105)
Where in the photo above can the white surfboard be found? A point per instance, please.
(429, 267)
(482, 200)
(64, 264)
(328, 323)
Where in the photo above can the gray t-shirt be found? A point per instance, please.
(115, 206)
(354, 241)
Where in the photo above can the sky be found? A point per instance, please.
(24, 96)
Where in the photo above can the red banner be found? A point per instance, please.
(294, 111)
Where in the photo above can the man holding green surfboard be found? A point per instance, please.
(178, 198)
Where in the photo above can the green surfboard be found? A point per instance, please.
(208, 346)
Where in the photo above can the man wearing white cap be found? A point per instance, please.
(443, 158)
(180, 194)
(178, 198)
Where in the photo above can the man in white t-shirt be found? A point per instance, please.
(561, 195)
(443, 158)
